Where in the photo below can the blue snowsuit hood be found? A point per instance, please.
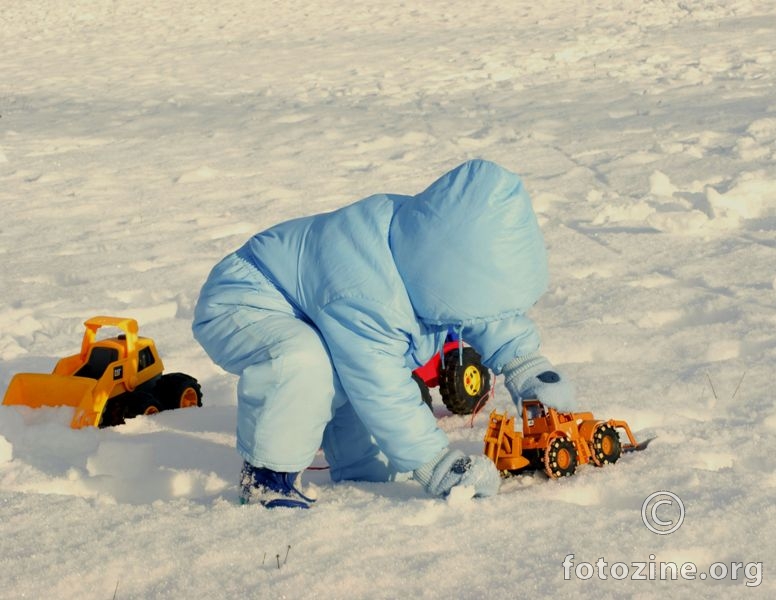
(469, 248)
(382, 280)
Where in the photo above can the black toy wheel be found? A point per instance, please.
(535, 459)
(178, 390)
(128, 406)
(606, 445)
(150, 405)
(425, 393)
(114, 413)
(139, 402)
(463, 383)
(560, 458)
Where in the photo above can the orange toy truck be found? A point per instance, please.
(555, 441)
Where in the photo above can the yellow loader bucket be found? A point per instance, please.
(39, 389)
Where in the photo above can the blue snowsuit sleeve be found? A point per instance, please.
(369, 357)
(498, 342)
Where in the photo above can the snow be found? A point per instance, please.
(141, 141)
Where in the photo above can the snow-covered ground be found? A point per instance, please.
(141, 141)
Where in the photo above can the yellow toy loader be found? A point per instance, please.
(108, 381)
(554, 441)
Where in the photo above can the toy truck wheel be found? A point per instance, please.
(114, 413)
(606, 445)
(178, 390)
(139, 403)
(463, 383)
(560, 458)
(150, 406)
(535, 459)
(425, 393)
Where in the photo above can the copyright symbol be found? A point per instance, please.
(671, 504)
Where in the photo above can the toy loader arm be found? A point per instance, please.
(633, 444)
(503, 445)
(128, 326)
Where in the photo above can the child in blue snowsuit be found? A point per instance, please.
(325, 317)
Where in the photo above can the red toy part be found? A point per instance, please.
(429, 373)
(464, 382)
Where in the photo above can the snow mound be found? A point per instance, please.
(750, 196)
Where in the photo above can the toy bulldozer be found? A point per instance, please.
(555, 441)
(108, 381)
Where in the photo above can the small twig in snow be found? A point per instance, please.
(738, 386)
(711, 383)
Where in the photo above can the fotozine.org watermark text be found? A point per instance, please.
(662, 513)
(653, 570)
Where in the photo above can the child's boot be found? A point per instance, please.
(271, 489)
